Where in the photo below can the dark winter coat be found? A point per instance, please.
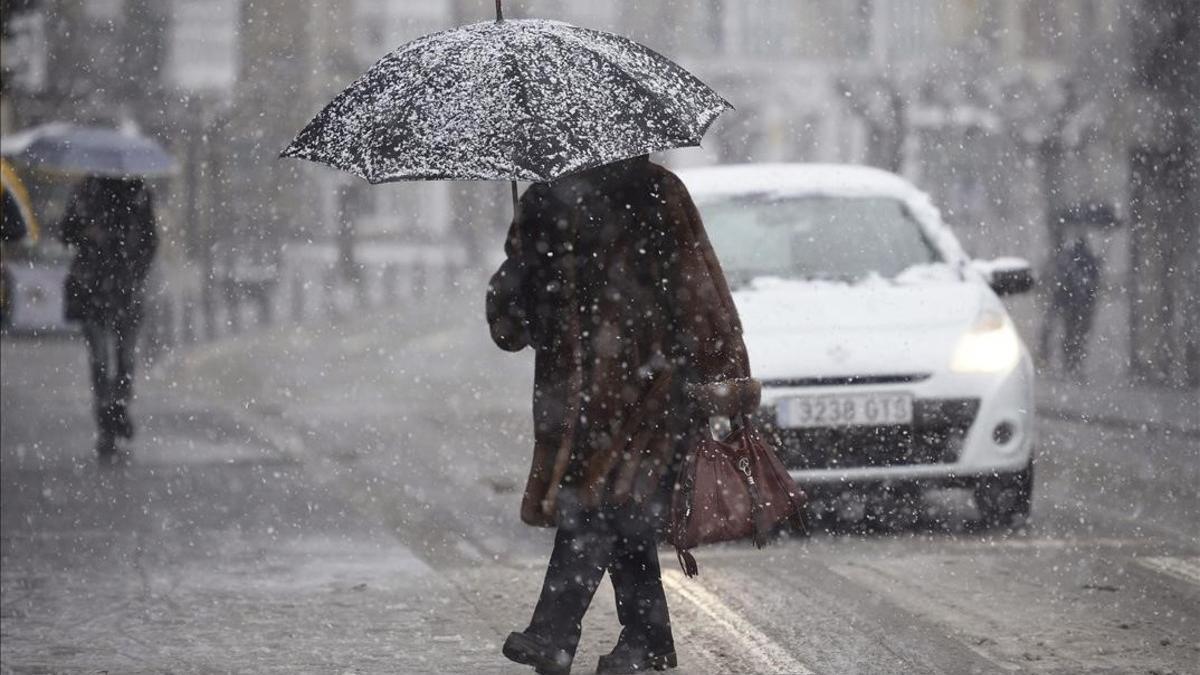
(1077, 278)
(110, 223)
(649, 347)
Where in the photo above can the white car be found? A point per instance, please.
(886, 356)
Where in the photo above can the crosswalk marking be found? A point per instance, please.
(1184, 569)
(768, 656)
(821, 545)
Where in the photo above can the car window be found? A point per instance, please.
(835, 238)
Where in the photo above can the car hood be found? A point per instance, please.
(797, 329)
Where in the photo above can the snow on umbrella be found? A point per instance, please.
(527, 100)
(90, 151)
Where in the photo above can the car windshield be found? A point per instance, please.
(836, 238)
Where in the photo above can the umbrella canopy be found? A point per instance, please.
(522, 100)
(89, 151)
(18, 219)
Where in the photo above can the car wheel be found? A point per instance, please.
(1003, 499)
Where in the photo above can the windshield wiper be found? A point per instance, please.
(827, 276)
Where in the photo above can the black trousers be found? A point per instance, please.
(111, 353)
(622, 541)
(1076, 326)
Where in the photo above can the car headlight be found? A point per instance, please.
(990, 346)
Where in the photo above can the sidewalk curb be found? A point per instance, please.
(1114, 422)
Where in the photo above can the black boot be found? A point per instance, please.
(636, 656)
(530, 650)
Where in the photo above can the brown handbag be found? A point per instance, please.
(731, 489)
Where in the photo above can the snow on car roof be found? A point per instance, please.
(797, 179)
(833, 180)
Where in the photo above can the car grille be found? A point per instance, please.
(935, 437)
(844, 380)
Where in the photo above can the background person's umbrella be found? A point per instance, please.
(508, 100)
(89, 151)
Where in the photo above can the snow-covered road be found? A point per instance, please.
(346, 500)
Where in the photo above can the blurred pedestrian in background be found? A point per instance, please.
(611, 278)
(110, 223)
(1076, 288)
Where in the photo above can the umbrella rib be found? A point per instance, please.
(663, 62)
(599, 58)
(520, 103)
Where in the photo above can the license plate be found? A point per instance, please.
(843, 410)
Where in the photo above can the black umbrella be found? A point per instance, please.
(89, 151)
(508, 100)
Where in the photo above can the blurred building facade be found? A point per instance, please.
(1010, 111)
(1013, 113)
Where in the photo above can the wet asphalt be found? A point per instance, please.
(324, 499)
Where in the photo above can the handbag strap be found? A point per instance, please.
(799, 517)
(745, 468)
(680, 522)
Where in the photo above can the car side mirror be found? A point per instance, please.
(1007, 276)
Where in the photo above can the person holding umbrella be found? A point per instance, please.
(609, 276)
(110, 223)
(611, 279)
(1077, 277)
